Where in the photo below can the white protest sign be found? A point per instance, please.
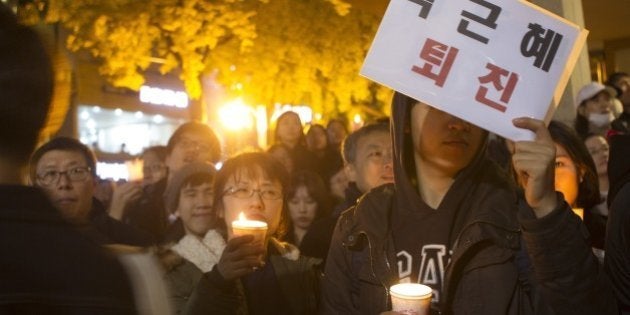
(484, 61)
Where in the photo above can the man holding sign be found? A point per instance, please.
(452, 220)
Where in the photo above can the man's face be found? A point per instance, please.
(66, 180)
(195, 209)
(442, 142)
(372, 165)
(190, 147)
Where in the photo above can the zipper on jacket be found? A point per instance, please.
(449, 267)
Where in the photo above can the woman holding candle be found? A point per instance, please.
(252, 276)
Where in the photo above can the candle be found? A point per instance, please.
(411, 298)
(258, 229)
(243, 226)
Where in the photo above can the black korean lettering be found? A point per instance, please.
(489, 21)
(542, 44)
(426, 7)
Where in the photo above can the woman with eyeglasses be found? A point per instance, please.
(253, 277)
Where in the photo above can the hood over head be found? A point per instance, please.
(473, 186)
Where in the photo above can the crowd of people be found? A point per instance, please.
(490, 225)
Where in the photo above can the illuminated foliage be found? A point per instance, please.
(286, 51)
(305, 53)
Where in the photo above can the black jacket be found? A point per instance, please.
(111, 231)
(617, 259)
(503, 260)
(297, 279)
(47, 267)
(317, 239)
(489, 272)
(148, 213)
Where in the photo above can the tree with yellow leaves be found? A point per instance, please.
(278, 51)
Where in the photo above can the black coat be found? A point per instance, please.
(48, 267)
(148, 213)
(617, 259)
(108, 230)
(297, 279)
(489, 272)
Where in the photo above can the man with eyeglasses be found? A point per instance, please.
(46, 267)
(65, 169)
(191, 142)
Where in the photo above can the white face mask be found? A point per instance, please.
(600, 120)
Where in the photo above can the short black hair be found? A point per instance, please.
(26, 85)
(614, 78)
(349, 151)
(62, 144)
(201, 129)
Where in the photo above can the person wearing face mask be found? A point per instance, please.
(594, 109)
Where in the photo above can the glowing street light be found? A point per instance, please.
(236, 115)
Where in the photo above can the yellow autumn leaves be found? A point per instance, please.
(286, 51)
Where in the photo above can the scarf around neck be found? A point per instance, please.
(204, 253)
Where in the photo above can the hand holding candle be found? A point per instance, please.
(411, 298)
(257, 229)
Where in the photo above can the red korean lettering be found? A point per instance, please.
(495, 76)
(439, 60)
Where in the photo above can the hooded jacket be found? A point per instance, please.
(490, 271)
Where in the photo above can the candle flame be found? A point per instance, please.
(241, 217)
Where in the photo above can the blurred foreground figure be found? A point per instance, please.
(617, 261)
(46, 267)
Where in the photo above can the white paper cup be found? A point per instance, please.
(256, 228)
(411, 298)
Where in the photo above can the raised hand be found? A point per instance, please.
(123, 195)
(534, 163)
